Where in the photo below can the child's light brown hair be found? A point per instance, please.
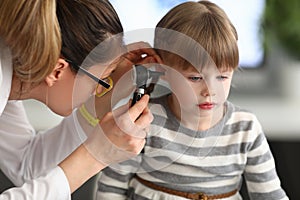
(202, 23)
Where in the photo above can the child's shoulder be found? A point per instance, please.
(238, 113)
(162, 100)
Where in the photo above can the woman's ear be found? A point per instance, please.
(57, 72)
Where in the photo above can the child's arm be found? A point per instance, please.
(260, 172)
(114, 183)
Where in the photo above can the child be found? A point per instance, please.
(200, 144)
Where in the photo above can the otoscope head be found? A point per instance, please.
(141, 75)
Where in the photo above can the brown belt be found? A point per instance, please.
(198, 195)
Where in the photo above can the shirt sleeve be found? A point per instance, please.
(53, 186)
(260, 172)
(26, 155)
(113, 182)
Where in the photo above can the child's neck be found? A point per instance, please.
(194, 122)
(206, 122)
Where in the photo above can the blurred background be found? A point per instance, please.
(268, 82)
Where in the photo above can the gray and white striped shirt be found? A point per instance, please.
(211, 161)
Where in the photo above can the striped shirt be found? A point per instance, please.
(212, 161)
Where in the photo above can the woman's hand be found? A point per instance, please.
(137, 53)
(119, 136)
(121, 133)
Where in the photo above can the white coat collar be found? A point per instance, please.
(5, 75)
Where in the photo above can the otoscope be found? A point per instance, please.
(141, 75)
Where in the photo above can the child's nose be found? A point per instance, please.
(208, 90)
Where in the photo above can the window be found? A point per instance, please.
(245, 15)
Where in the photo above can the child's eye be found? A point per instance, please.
(222, 78)
(195, 78)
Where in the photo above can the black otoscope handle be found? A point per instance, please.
(137, 95)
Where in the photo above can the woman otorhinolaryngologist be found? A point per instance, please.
(41, 48)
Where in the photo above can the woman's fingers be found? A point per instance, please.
(139, 51)
(135, 119)
(136, 110)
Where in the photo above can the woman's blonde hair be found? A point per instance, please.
(30, 28)
(202, 23)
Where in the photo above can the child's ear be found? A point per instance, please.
(57, 72)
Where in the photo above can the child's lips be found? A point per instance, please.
(206, 106)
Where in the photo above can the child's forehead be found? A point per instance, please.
(210, 67)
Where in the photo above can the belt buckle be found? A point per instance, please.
(201, 196)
